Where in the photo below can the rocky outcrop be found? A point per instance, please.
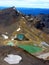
(8, 20)
(43, 22)
(8, 16)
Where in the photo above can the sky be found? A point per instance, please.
(25, 3)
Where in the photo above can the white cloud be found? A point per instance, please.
(26, 3)
(44, 0)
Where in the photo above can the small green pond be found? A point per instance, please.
(31, 48)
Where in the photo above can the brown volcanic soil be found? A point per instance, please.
(27, 59)
(8, 20)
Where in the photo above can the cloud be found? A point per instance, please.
(44, 0)
(26, 3)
